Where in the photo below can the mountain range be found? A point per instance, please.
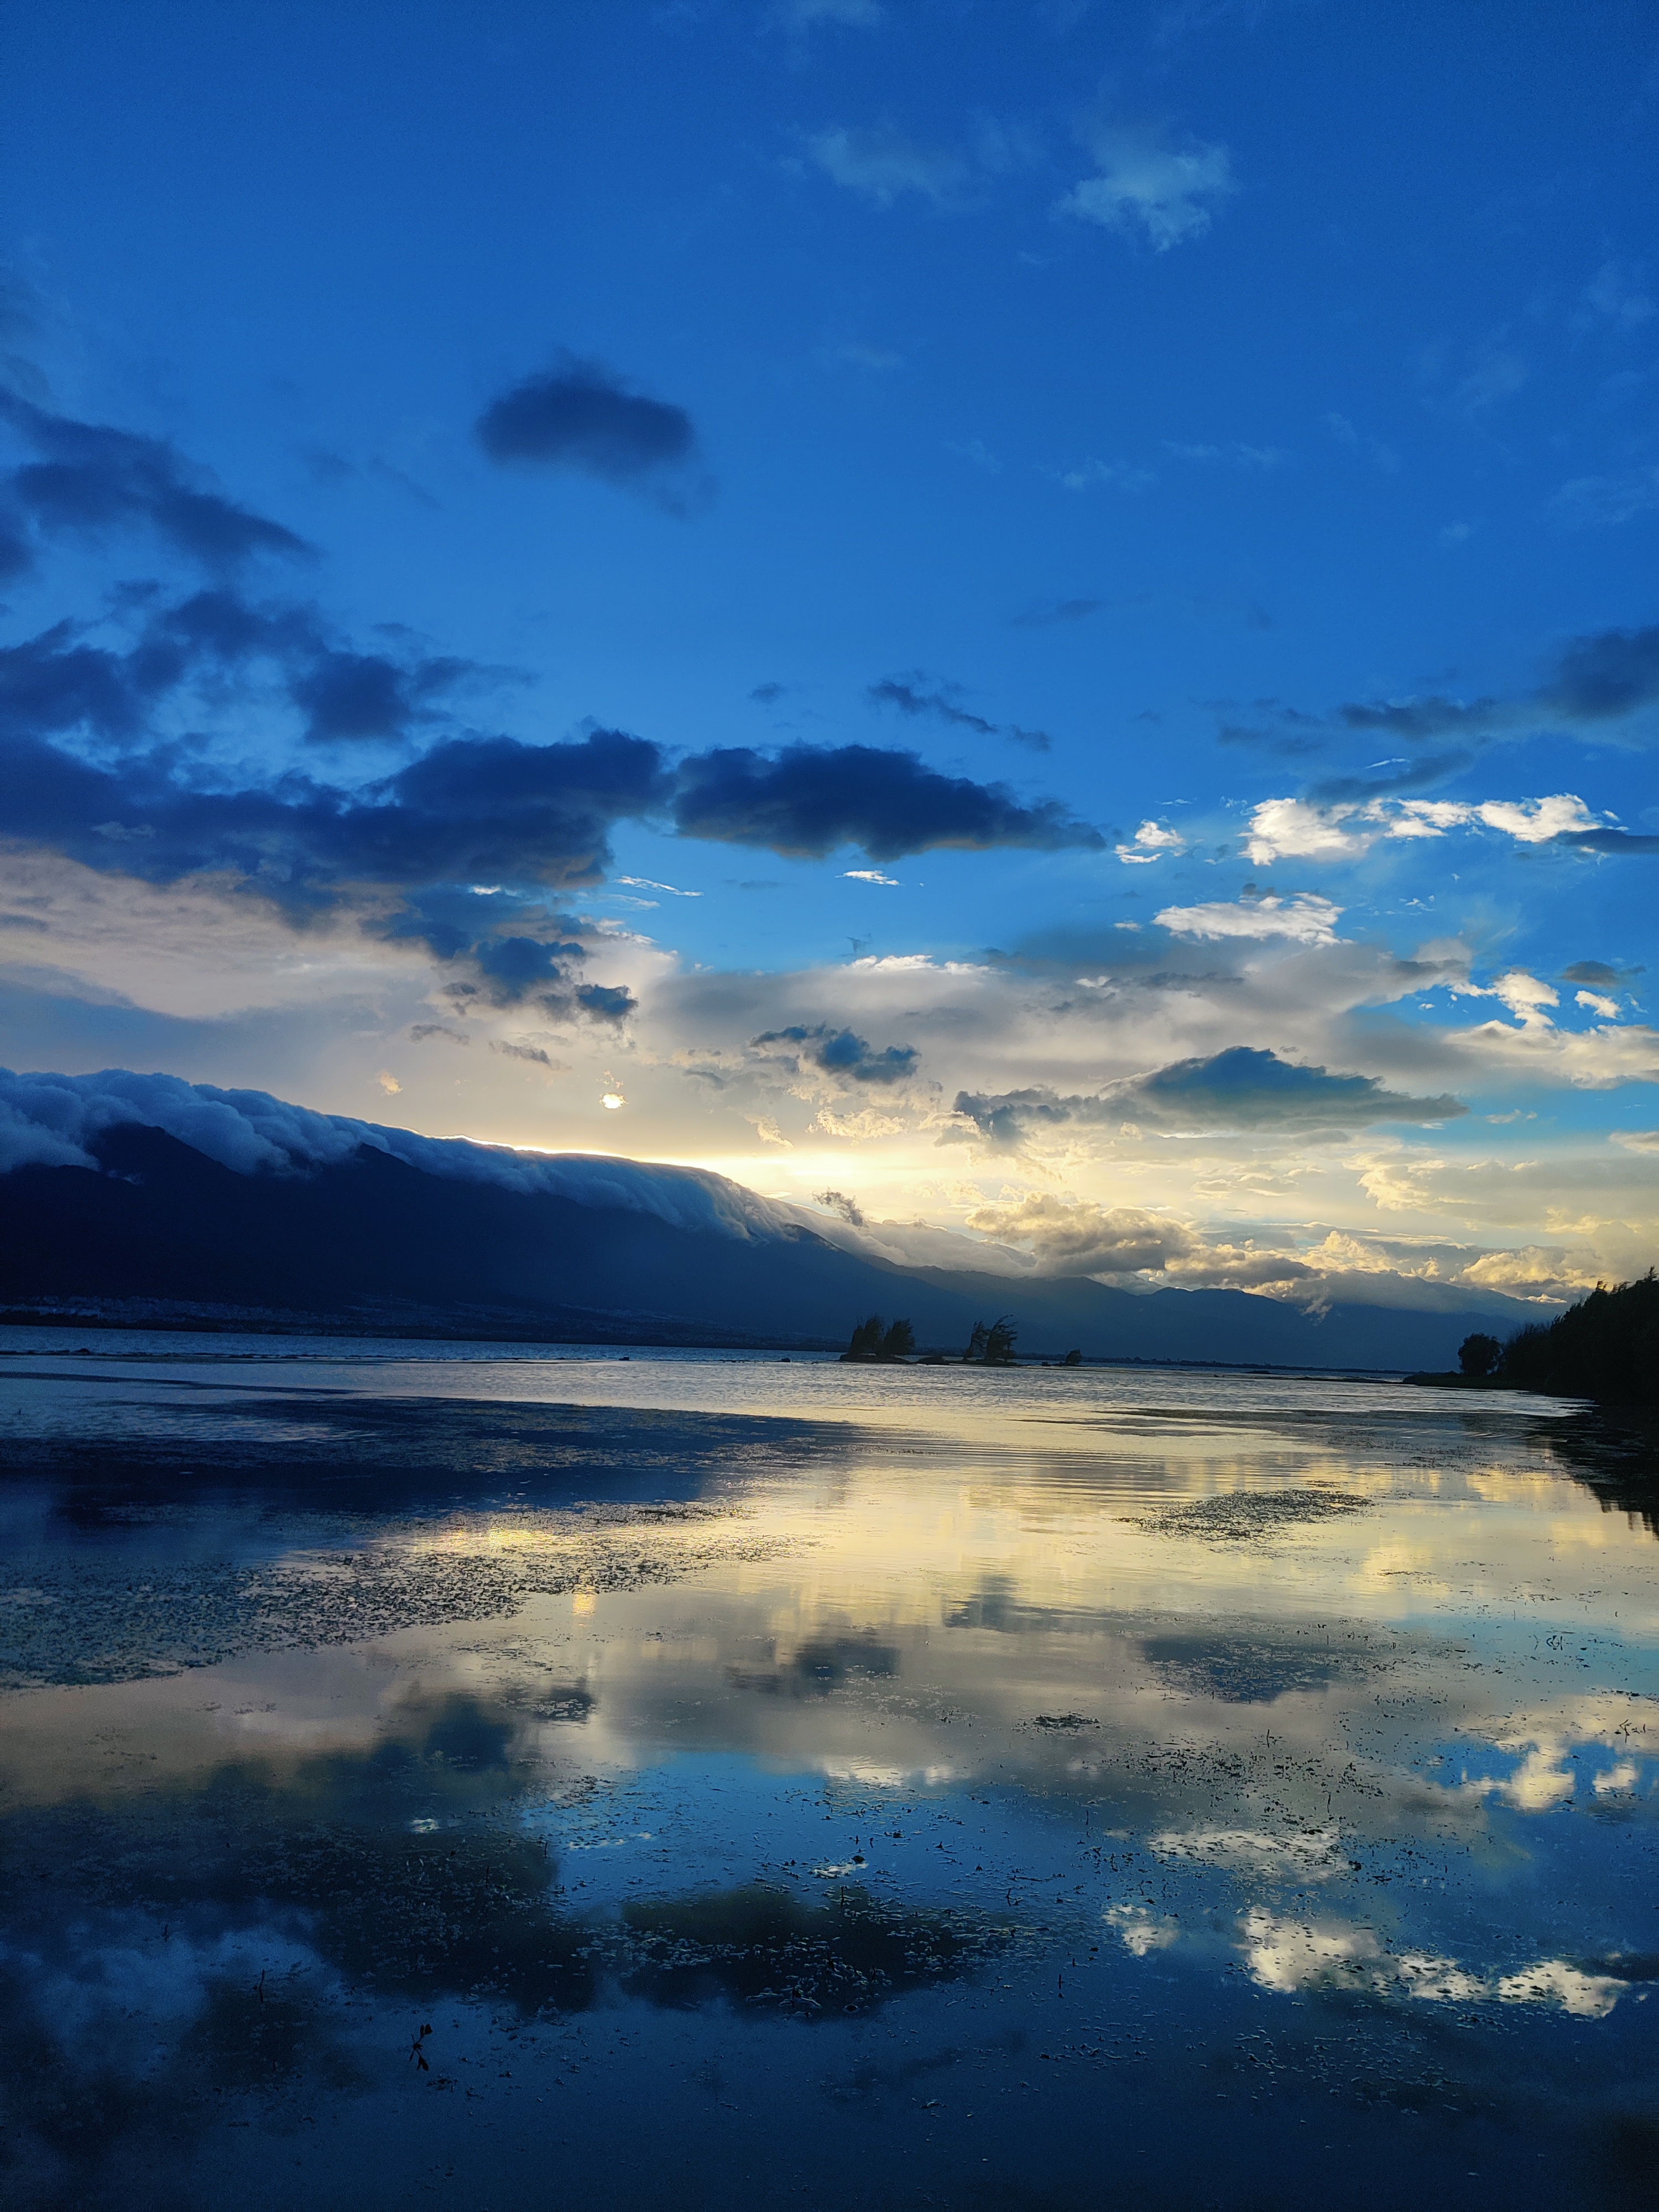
(145, 1200)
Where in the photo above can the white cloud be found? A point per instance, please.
(1524, 994)
(804, 15)
(1532, 1271)
(978, 452)
(1603, 502)
(1073, 1236)
(1593, 1059)
(882, 163)
(1620, 297)
(1304, 919)
(1152, 841)
(1496, 372)
(1586, 1996)
(1141, 1930)
(1257, 460)
(1287, 1955)
(1289, 829)
(1608, 1009)
(1589, 1060)
(1308, 1855)
(1296, 829)
(1357, 441)
(870, 876)
(1529, 821)
(1117, 475)
(1168, 192)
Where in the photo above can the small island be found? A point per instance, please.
(878, 1343)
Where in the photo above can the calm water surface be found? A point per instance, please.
(688, 1779)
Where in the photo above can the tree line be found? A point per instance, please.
(1607, 1345)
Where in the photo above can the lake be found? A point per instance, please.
(503, 1777)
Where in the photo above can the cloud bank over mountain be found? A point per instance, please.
(51, 1120)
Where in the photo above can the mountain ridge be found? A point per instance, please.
(153, 1221)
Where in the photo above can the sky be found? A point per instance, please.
(1038, 621)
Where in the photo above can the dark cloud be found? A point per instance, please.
(1290, 735)
(420, 1030)
(581, 417)
(841, 1053)
(1602, 678)
(54, 684)
(1415, 776)
(90, 477)
(810, 800)
(471, 809)
(326, 467)
(605, 1002)
(767, 694)
(1246, 1088)
(530, 1052)
(904, 692)
(1242, 1088)
(1597, 976)
(16, 555)
(364, 695)
(514, 967)
(504, 949)
(1605, 677)
(837, 1201)
(479, 808)
(1419, 719)
(1608, 841)
(57, 682)
(1048, 613)
(341, 692)
(93, 765)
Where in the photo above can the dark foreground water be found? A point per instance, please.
(695, 1781)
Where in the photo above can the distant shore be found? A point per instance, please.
(362, 1329)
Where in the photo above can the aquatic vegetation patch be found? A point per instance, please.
(1249, 1516)
(89, 1617)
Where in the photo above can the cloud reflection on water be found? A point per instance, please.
(953, 1723)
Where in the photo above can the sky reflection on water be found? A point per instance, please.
(1125, 1788)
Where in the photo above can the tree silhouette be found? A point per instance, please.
(1000, 1342)
(867, 1340)
(874, 1339)
(1477, 1355)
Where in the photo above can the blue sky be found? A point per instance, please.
(1221, 432)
